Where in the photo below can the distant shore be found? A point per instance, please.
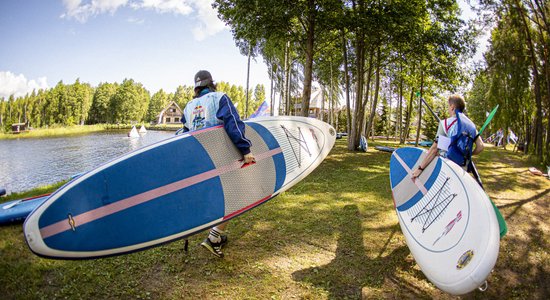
(80, 129)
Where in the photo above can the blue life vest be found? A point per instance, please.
(462, 143)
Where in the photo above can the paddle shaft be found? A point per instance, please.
(430, 109)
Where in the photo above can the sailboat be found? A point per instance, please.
(142, 130)
(133, 132)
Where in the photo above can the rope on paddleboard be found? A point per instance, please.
(437, 208)
(301, 142)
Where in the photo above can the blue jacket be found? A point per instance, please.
(200, 114)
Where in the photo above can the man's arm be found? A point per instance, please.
(432, 153)
(479, 146)
(233, 125)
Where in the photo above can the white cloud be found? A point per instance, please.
(135, 21)
(210, 24)
(18, 85)
(207, 23)
(82, 12)
(165, 6)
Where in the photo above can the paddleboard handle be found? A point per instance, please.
(71, 222)
(247, 164)
(483, 287)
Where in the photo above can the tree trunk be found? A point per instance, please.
(536, 81)
(346, 80)
(376, 89)
(271, 98)
(308, 68)
(408, 119)
(419, 127)
(388, 118)
(322, 112)
(362, 124)
(399, 125)
(282, 105)
(287, 79)
(331, 102)
(247, 80)
(353, 137)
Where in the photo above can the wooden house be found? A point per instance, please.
(18, 127)
(318, 103)
(171, 114)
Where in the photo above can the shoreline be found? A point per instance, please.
(55, 131)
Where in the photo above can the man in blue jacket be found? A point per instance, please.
(210, 108)
(455, 138)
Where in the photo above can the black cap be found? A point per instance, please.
(202, 78)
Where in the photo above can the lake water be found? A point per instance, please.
(29, 163)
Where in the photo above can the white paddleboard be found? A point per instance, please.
(447, 219)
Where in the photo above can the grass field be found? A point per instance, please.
(333, 236)
(54, 131)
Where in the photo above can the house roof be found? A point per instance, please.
(167, 107)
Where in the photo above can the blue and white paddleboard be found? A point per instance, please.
(17, 210)
(447, 219)
(175, 188)
(363, 144)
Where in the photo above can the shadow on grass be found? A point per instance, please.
(520, 203)
(352, 273)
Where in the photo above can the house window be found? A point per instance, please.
(167, 120)
(176, 120)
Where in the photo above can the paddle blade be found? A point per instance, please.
(489, 118)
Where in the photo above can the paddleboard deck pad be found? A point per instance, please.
(175, 188)
(447, 219)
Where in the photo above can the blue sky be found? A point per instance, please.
(160, 43)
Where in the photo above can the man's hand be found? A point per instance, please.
(249, 158)
(416, 173)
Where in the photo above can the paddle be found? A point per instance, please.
(430, 109)
(17, 202)
(489, 118)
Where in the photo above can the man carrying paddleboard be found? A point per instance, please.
(455, 138)
(210, 108)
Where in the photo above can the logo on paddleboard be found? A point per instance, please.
(449, 226)
(465, 259)
(315, 137)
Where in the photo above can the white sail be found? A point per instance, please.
(133, 132)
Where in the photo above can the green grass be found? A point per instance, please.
(333, 236)
(54, 131)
